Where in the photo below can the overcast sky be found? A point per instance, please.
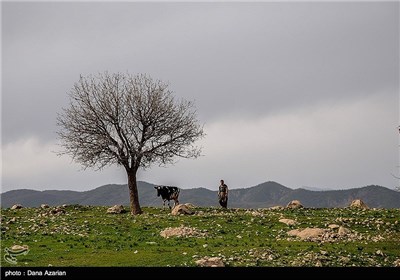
(305, 94)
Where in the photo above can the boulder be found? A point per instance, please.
(333, 226)
(210, 262)
(358, 203)
(343, 231)
(181, 209)
(18, 248)
(289, 222)
(16, 206)
(116, 209)
(190, 205)
(43, 206)
(307, 233)
(294, 204)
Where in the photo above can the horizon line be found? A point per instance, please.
(312, 189)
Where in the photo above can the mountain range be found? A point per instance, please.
(263, 195)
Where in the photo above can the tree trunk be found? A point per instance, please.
(133, 193)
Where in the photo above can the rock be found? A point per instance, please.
(116, 209)
(333, 226)
(190, 205)
(307, 233)
(294, 204)
(396, 263)
(43, 206)
(11, 221)
(19, 248)
(181, 209)
(289, 222)
(343, 231)
(181, 231)
(379, 253)
(210, 262)
(358, 203)
(57, 211)
(276, 208)
(16, 206)
(344, 260)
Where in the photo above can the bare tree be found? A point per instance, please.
(128, 120)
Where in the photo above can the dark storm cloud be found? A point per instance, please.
(255, 58)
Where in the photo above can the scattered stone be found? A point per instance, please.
(344, 260)
(288, 222)
(43, 206)
(396, 263)
(333, 226)
(16, 206)
(181, 231)
(343, 231)
(379, 253)
(307, 233)
(256, 214)
(294, 204)
(358, 203)
(57, 211)
(116, 209)
(210, 262)
(276, 208)
(11, 221)
(181, 209)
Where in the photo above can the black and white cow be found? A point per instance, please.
(168, 193)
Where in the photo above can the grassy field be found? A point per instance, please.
(87, 236)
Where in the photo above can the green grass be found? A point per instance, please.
(87, 236)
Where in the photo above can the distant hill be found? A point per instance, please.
(264, 195)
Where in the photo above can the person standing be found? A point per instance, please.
(223, 194)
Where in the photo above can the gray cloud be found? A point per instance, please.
(241, 62)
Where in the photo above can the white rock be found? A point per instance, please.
(116, 209)
(181, 209)
(358, 203)
(16, 206)
(294, 204)
(210, 262)
(343, 231)
(288, 222)
(307, 233)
